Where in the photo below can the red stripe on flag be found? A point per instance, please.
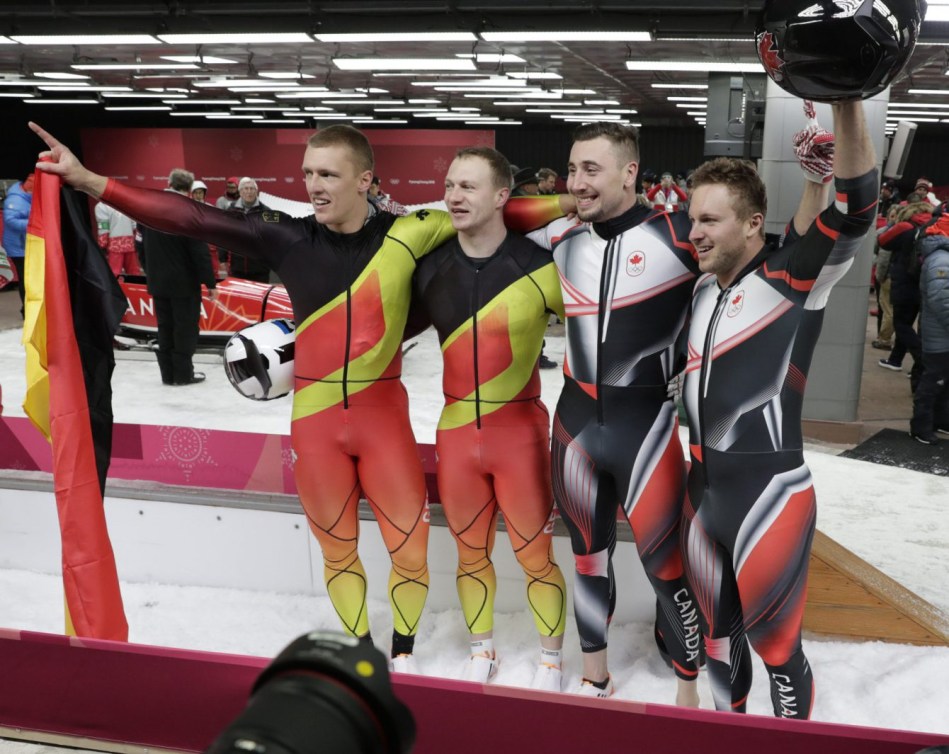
(90, 579)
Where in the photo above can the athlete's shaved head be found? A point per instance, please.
(346, 136)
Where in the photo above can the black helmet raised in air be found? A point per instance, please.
(831, 50)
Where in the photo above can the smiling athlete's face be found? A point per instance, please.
(725, 242)
(471, 194)
(603, 185)
(336, 187)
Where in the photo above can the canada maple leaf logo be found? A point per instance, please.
(737, 300)
(636, 259)
(768, 54)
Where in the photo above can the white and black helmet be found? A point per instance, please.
(258, 360)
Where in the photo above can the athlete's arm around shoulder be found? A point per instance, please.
(422, 231)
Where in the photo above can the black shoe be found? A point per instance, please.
(546, 363)
(886, 364)
(926, 438)
(195, 379)
(943, 430)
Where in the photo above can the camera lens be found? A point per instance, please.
(326, 692)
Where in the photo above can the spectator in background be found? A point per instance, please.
(931, 400)
(382, 201)
(199, 191)
(231, 194)
(883, 284)
(904, 289)
(889, 195)
(923, 192)
(238, 265)
(547, 181)
(525, 183)
(115, 234)
(176, 268)
(16, 214)
(667, 195)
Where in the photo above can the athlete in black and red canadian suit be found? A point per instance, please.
(627, 274)
(756, 315)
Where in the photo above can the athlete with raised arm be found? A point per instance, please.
(756, 315)
(348, 271)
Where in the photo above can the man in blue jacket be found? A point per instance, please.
(16, 213)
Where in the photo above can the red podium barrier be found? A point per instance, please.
(181, 699)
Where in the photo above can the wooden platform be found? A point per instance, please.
(849, 598)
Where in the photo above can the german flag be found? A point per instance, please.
(73, 308)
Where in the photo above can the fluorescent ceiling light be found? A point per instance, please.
(318, 109)
(319, 95)
(508, 123)
(625, 111)
(566, 36)
(368, 102)
(534, 75)
(916, 120)
(396, 64)
(691, 105)
(6, 41)
(577, 91)
(488, 81)
(699, 113)
(264, 108)
(229, 116)
(491, 57)
(87, 88)
(488, 90)
(707, 66)
(934, 12)
(679, 86)
(278, 120)
(929, 91)
(206, 59)
(44, 101)
(687, 99)
(370, 90)
(601, 102)
(133, 66)
(284, 75)
(512, 95)
(719, 38)
(60, 75)
(187, 114)
(365, 121)
(410, 109)
(137, 108)
(424, 101)
(204, 102)
(263, 38)
(258, 101)
(917, 105)
(399, 36)
(86, 39)
(286, 87)
(223, 82)
(16, 95)
(144, 95)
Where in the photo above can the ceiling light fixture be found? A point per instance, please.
(204, 59)
(491, 57)
(60, 75)
(705, 66)
(403, 64)
(400, 36)
(133, 66)
(264, 121)
(566, 36)
(251, 38)
(51, 40)
(679, 86)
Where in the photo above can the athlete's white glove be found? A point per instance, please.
(814, 148)
(674, 387)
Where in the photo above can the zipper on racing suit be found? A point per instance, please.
(705, 370)
(474, 331)
(605, 276)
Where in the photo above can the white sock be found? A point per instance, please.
(551, 657)
(483, 647)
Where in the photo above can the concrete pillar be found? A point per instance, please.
(833, 386)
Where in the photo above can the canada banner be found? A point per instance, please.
(73, 307)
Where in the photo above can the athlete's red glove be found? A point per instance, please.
(814, 148)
